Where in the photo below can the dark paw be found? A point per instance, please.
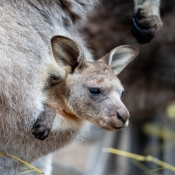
(145, 28)
(42, 129)
(44, 123)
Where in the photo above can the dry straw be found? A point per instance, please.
(140, 158)
(31, 167)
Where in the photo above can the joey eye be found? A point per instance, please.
(54, 77)
(95, 91)
(53, 80)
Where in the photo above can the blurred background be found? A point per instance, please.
(149, 82)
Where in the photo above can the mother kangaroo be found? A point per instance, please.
(26, 63)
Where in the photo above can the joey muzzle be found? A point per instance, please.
(123, 116)
(119, 120)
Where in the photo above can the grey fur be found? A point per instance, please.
(26, 27)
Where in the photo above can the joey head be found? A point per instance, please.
(86, 91)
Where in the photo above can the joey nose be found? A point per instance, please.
(123, 115)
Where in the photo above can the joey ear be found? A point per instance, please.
(67, 52)
(120, 57)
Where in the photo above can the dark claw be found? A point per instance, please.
(146, 23)
(44, 123)
(142, 36)
(45, 135)
(40, 131)
(36, 125)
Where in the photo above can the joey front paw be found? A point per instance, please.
(44, 123)
(42, 129)
(144, 28)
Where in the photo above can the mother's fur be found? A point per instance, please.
(26, 28)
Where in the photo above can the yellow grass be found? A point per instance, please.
(22, 161)
(137, 157)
